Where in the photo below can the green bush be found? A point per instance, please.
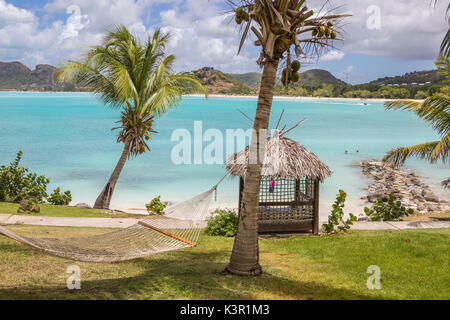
(16, 182)
(30, 206)
(156, 207)
(223, 222)
(336, 222)
(391, 210)
(58, 198)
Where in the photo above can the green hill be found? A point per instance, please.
(15, 75)
(251, 78)
(430, 76)
(318, 77)
(218, 82)
(309, 78)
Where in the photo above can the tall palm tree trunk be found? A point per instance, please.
(104, 199)
(245, 255)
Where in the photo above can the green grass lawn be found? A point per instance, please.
(414, 265)
(64, 211)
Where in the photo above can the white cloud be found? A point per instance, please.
(202, 32)
(409, 29)
(10, 14)
(23, 38)
(333, 55)
(203, 36)
(75, 23)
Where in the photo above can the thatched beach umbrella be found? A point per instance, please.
(284, 158)
(289, 190)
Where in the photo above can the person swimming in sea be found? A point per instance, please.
(357, 151)
(346, 151)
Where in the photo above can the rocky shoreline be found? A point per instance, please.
(406, 186)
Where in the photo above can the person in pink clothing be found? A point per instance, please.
(272, 186)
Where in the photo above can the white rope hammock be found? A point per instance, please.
(179, 228)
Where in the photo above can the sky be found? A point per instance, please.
(381, 38)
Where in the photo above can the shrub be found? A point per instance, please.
(156, 207)
(336, 222)
(391, 210)
(28, 204)
(16, 182)
(57, 198)
(223, 222)
(421, 95)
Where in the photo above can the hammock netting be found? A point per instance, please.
(179, 228)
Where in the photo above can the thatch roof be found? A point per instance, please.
(292, 160)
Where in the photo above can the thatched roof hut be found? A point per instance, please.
(291, 159)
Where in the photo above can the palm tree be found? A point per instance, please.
(279, 26)
(445, 46)
(136, 78)
(435, 110)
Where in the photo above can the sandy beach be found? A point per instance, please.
(299, 98)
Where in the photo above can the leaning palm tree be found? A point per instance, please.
(435, 110)
(136, 78)
(284, 29)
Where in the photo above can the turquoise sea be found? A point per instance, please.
(68, 137)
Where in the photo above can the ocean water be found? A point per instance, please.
(68, 137)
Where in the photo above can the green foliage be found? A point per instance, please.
(239, 88)
(222, 223)
(392, 210)
(336, 222)
(325, 91)
(252, 78)
(31, 205)
(298, 91)
(58, 198)
(393, 93)
(16, 182)
(420, 95)
(434, 111)
(358, 94)
(156, 207)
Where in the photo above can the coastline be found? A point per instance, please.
(300, 98)
(295, 98)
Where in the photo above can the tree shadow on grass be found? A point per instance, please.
(186, 274)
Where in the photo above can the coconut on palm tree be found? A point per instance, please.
(434, 110)
(284, 29)
(138, 79)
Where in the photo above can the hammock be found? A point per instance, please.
(179, 228)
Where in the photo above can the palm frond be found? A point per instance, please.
(279, 24)
(435, 110)
(431, 151)
(136, 77)
(443, 65)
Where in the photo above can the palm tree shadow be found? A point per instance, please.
(187, 274)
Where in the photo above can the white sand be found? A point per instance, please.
(296, 98)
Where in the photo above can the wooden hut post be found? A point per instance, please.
(308, 182)
(316, 207)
